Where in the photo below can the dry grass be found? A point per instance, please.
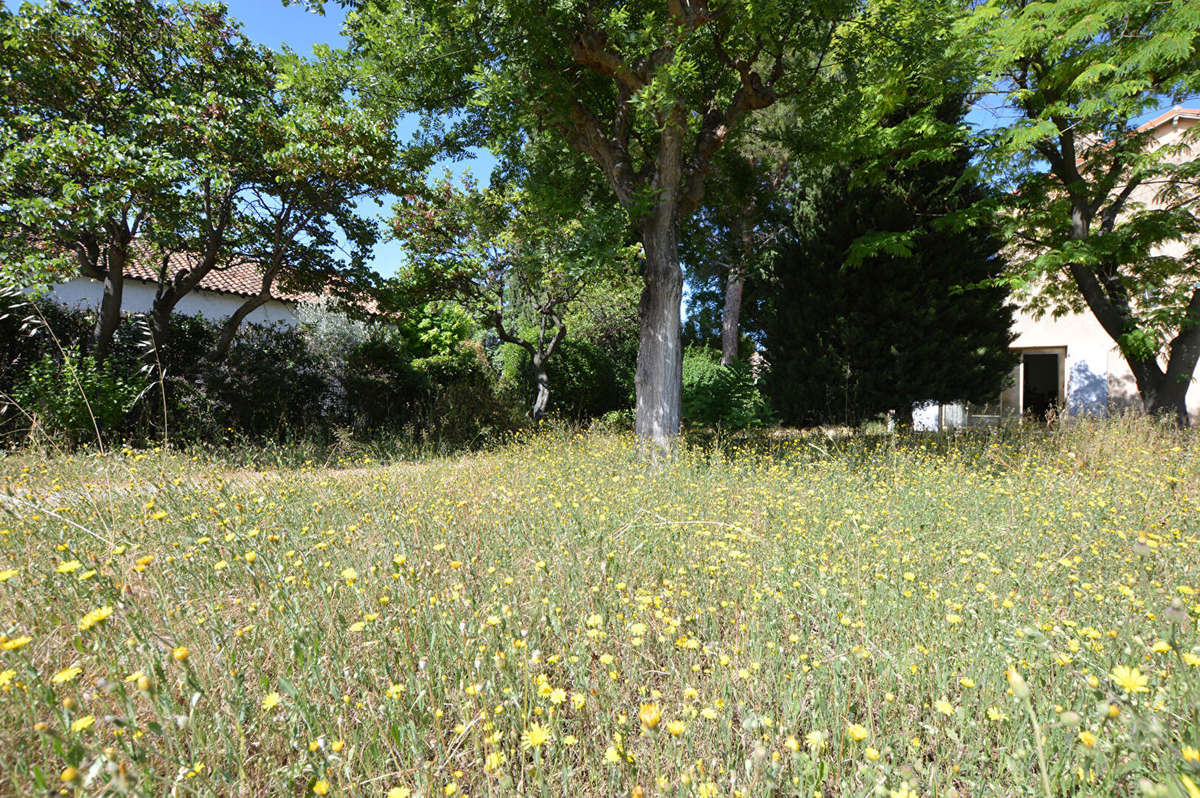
(732, 622)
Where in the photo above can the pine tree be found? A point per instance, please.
(882, 294)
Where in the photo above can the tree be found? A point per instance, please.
(229, 107)
(1093, 204)
(648, 91)
(501, 255)
(322, 155)
(855, 327)
(90, 97)
(733, 237)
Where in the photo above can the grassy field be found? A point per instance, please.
(897, 617)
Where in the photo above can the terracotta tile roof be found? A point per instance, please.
(243, 278)
(1167, 116)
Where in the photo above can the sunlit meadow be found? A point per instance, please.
(1006, 615)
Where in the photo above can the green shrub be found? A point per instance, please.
(76, 397)
(720, 396)
(584, 382)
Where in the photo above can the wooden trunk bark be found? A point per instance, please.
(542, 398)
(1163, 394)
(730, 317)
(233, 323)
(110, 304)
(659, 378)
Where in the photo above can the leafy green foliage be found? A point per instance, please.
(75, 397)
(852, 331)
(1103, 213)
(420, 382)
(725, 397)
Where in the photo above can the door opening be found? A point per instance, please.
(1041, 381)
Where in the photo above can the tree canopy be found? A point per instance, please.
(649, 92)
(1100, 216)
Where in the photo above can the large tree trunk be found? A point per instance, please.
(730, 317)
(659, 378)
(542, 398)
(110, 304)
(160, 324)
(735, 284)
(1163, 393)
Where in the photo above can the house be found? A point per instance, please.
(217, 296)
(1068, 363)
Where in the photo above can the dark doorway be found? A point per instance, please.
(1041, 384)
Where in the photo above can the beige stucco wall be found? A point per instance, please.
(1097, 378)
(1096, 375)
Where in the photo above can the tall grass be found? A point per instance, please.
(1000, 615)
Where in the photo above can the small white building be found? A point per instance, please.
(217, 296)
(1068, 363)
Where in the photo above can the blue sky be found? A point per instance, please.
(271, 23)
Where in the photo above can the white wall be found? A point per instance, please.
(138, 297)
(1098, 378)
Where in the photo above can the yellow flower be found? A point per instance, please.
(535, 736)
(791, 743)
(83, 723)
(1191, 659)
(1160, 646)
(815, 740)
(94, 617)
(1087, 738)
(349, 574)
(558, 695)
(7, 574)
(69, 774)
(270, 700)
(612, 756)
(871, 754)
(649, 715)
(68, 566)
(179, 653)
(6, 677)
(856, 732)
(967, 683)
(66, 675)
(1131, 680)
(321, 787)
(1189, 785)
(944, 707)
(399, 792)
(578, 700)
(996, 715)
(1017, 683)
(676, 727)
(15, 643)
(1191, 754)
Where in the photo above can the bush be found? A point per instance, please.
(75, 398)
(584, 383)
(327, 377)
(720, 396)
